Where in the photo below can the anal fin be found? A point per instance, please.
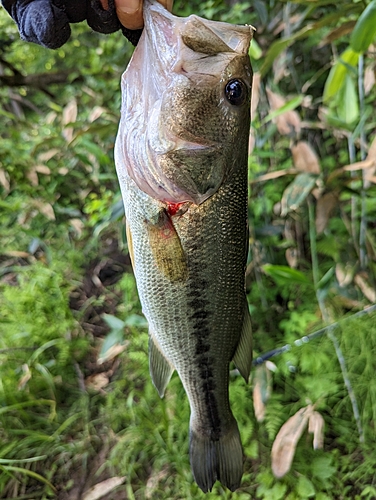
(243, 354)
(160, 369)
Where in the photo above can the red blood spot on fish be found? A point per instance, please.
(173, 208)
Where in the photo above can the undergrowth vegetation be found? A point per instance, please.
(77, 407)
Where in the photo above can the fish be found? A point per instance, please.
(181, 159)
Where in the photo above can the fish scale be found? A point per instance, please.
(184, 187)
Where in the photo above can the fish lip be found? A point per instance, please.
(189, 146)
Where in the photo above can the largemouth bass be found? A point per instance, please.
(181, 158)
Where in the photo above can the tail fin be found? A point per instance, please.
(220, 458)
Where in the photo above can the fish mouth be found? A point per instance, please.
(186, 141)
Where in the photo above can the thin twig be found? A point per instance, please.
(304, 340)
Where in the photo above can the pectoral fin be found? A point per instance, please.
(130, 242)
(243, 354)
(166, 247)
(160, 368)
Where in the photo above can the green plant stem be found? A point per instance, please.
(363, 215)
(345, 375)
(312, 241)
(325, 316)
(352, 157)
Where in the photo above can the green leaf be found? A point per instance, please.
(322, 468)
(6, 461)
(348, 107)
(278, 492)
(364, 31)
(289, 106)
(30, 473)
(280, 45)
(285, 274)
(322, 496)
(113, 322)
(305, 488)
(113, 338)
(348, 59)
(369, 491)
(255, 51)
(297, 192)
(135, 320)
(275, 49)
(25, 404)
(326, 278)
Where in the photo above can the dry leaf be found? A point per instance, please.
(25, 377)
(63, 170)
(292, 257)
(97, 381)
(371, 156)
(369, 79)
(50, 118)
(256, 83)
(369, 165)
(17, 253)
(101, 489)
(305, 158)
(33, 177)
(69, 116)
(153, 482)
(77, 225)
(333, 35)
(112, 352)
(344, 274)
(42, 169)
(4, 180)
(70, 112)
(296, 18)
(325, 206)
(96, 112)
(284, 446)
(45, 209)
(316, 426)
(368, 291)
(47, 155)
(288, 122)
(261, 390)
(274, 175)
(359, 165)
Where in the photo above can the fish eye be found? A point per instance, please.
(236, 92)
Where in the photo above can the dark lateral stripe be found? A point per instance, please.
(200, 307)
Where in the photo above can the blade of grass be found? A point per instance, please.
(30, 473)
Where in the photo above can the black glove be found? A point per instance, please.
(46, 22)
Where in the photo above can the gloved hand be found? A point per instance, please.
(46, 22)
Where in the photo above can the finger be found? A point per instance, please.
(167, 4)
(104, 4)
(129, 13)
